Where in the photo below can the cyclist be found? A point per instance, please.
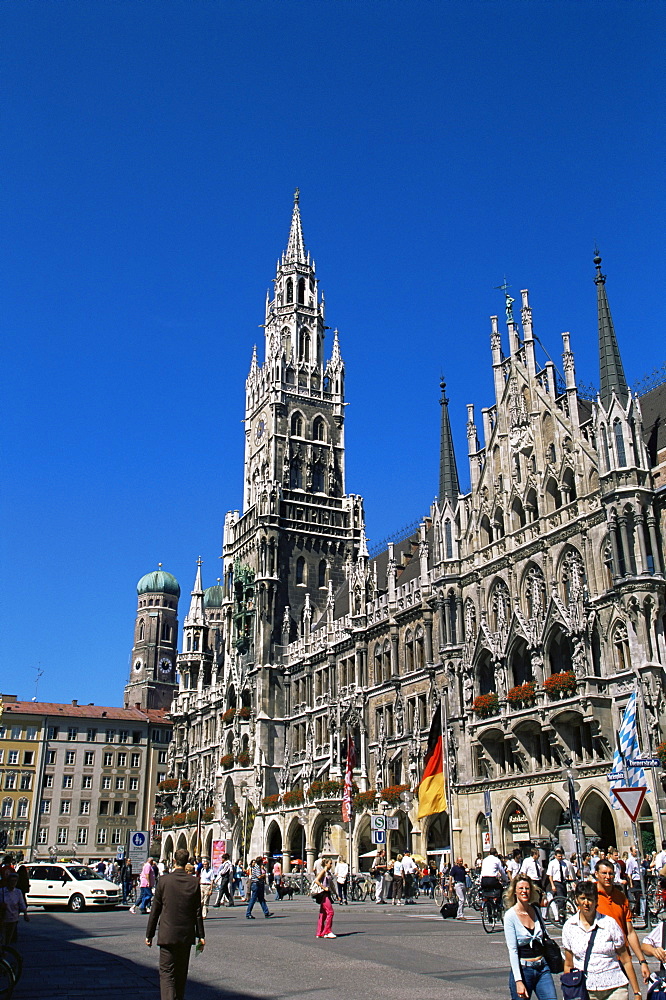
(493, 874)
(559, 872)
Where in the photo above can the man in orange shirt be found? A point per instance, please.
(612, 902)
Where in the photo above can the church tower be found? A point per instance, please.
(298, 528)
(152, 680)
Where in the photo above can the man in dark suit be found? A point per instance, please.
(177, 906)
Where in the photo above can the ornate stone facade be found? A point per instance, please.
(533, 604)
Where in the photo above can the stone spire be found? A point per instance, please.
(449, 486)
(295, 253)
(611, 371)
(195, 616)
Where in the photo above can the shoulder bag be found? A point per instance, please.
(551, 949)
(657, 989)
(574, 986)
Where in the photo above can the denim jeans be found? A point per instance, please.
(144, 898)
(256, 896)
(537, 979)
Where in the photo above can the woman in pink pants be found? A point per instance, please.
(324, 880)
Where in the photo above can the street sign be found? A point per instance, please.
(631, 800)
(120, 854)
(378, 836)
(138, 849)
(644, 762)
(378, 822)
(392, 823)
(487, 808)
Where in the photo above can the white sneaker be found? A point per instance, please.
(132, 909)
(330, 935)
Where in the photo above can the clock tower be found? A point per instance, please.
(152, 680)
(298, 530)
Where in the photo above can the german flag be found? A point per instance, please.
(432, 793)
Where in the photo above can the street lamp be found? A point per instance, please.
(406, 804)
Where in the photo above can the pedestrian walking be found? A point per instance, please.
(206, 877)
(341, 873)
(13, 904)
(176, 915)
(257, 889)
(524, 934)
(398, 881)
(324, 881)
(596, 944)
(223, 880)
(378, 872)
(409, 870)
(126, 879)
(457, 882)
(146, 884)
(277, 878)
(612, 902)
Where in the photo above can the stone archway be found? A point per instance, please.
(516, 830)
(273, 842)
(208, 848)
(168, 848)
(598, 823)
(550, 825)
(193, 845)
(363, 844)
(436, 836)
(182, 842)
(296, 841)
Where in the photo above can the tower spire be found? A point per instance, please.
(449, 486)
(611, 371)
(295, 252)
(195, 615)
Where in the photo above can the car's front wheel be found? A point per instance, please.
(77, 903)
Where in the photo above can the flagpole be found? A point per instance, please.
(447, 784)
(653, 782)
(633, 826)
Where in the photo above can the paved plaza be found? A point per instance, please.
(380, 952)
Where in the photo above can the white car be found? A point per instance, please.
(71, 885)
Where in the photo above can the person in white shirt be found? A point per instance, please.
(409, 869)
(340, 872)
(532, 866)
(493, 873)
(660, 859)
(206, 879)
(559, 872)
(609, 964)
(514, 862)
(398, 883)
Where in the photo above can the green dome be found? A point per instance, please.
(213, 597)
(158, 582)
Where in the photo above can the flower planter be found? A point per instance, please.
(561, 685)
(485, 705)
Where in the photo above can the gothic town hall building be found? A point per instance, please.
(533, 604)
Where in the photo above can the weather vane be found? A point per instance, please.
(504, 287)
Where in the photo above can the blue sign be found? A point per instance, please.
(645, 762)
(138, 839)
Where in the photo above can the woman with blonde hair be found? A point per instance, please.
(323, 882)
(525, 933)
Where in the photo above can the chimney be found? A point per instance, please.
(75, 703)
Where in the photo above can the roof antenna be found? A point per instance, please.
(39, 673)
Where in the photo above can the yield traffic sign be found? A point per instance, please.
(631, 800)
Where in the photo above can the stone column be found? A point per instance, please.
(427, 628)
(440, 621)
(394, 651)
(616, 552)
(460, 626)
(310, 857)
(286, 862)
(447, 621)
(654, 543)
(639, 526)
(626, 548)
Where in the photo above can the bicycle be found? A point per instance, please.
(11, 967)
(361, 888)
(491, 910)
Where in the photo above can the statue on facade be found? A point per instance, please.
(468, 687)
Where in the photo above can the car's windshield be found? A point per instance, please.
(82, 874)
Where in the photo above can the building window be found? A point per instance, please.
(2, 756)
(118, 808)
(322, 573)
(50, 756)
(619, 443)
(108, 760)
(86, 781)
(72, 733)
(17, 732)
(28, 757)
(120, 784)
(52, 732)
(42, 835)
(300, 571)
(136, 759)
(91, 735)
(123, 736)
(19, 838)
(67, 781)
(70, 757)
(84, 807)
(131, 808)
(26, 782)
(31, 733)
(13, 757)
(89, 758)
(290, 290)
(22, 810)
(45, 806)
(65, 807)
(110, 735)
(7, 807)
(116, 836)
(101, 836)
(10, 780)
(136, 736)
(104, 807)
(62, 835)
(448, 540)
(48, 781)
(82, 835)
(122, 760)
(133, 784)
(106, 782)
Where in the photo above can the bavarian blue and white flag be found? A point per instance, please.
(629, 746)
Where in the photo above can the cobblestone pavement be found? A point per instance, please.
(381, 953)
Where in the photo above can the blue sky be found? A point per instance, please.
(150, 153)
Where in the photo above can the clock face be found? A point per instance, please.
(261, 429)
(165, 666)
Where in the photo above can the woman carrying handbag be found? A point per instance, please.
(596, 958)
(525, 939)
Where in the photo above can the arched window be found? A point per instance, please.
(621, 644)
(517, 514)
(322, 573)
(142, 630)
(22, 810)
(619, 443)
(485, 530)
(386, 661)
(553, 496)
(419, 649)
(296, 475)
(6, 808)
(559, 652)
(195, 644)
(409, 652)
(499, 523)
(604, 448)
(304, 346)
(189, 643)
(297, 425)
(300, 570)
(301, 290)
(166, 632)
(290, 290)
(378, 664)
(318, 478)
(319, 430)
(448, 540)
